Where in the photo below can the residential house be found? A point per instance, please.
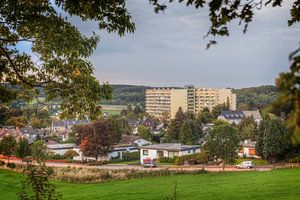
(132, 140)
(133, 123)
(29, 132)
(128, 143)
(248, 149)
(238, 115)
(231, 117)
(169, 150)
(18, 133)
(158, 129)
(65, 125)
(62, 128)
(147, 122)
(60, 149)
(253, 113)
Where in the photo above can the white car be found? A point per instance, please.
(245, 165)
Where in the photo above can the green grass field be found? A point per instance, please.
(273, 185)
(113, 109)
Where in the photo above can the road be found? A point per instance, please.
(161, 167)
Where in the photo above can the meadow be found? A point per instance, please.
(281, 184)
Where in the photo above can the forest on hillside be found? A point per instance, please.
(247, 98)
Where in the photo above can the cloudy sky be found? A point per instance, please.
(168, 49)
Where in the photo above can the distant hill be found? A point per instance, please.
(247, 98)
(256, 97)
(125, 94)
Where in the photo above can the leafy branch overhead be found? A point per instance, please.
(58, 55)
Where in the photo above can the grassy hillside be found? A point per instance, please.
(273, 185)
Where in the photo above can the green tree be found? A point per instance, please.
(62, 68)
(273, 140)
(37, 185)
(8, 146)
(174, 128)
(121, 126)
(39, 151)
(145, 133)
(204, 117)
(23, 149)
(189, 133)
(70, 154)
(129, 108)
(247, 129)
(98, 138)
(137, 110)
(19, 121)
(216, 111)
(223, 142)
(289, 99)
(259, 145)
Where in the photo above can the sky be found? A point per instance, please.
(168, 49)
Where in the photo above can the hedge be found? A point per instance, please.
(129, 156)
(197, 158)
(167, 160)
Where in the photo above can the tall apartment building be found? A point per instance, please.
(166, 101)
(158, 102)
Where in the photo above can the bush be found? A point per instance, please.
(49, 171)
(86, 175)
(2, 163)
(197, 158)
(294, 160)
(167, 160)
(202, 157)
(11, 165)
(56, 157)
(129, 156)
(98, 163)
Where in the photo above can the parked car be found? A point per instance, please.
(245, 165)
(149, 162)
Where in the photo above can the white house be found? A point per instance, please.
(133, 140)
(128, 143)
(167, 150)
(61, 149)
(248, 149)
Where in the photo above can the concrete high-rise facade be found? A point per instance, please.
(158, 102)
(166, 102)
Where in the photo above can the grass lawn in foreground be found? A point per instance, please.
(273, 185)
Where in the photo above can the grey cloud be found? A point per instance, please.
(169, 50)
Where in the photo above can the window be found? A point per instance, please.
(145, 152)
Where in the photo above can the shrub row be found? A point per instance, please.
(294, 160)
(56, 157)
(85, 175)
(129, 156)
(98, 163)
(198, 158)
(167, 160)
